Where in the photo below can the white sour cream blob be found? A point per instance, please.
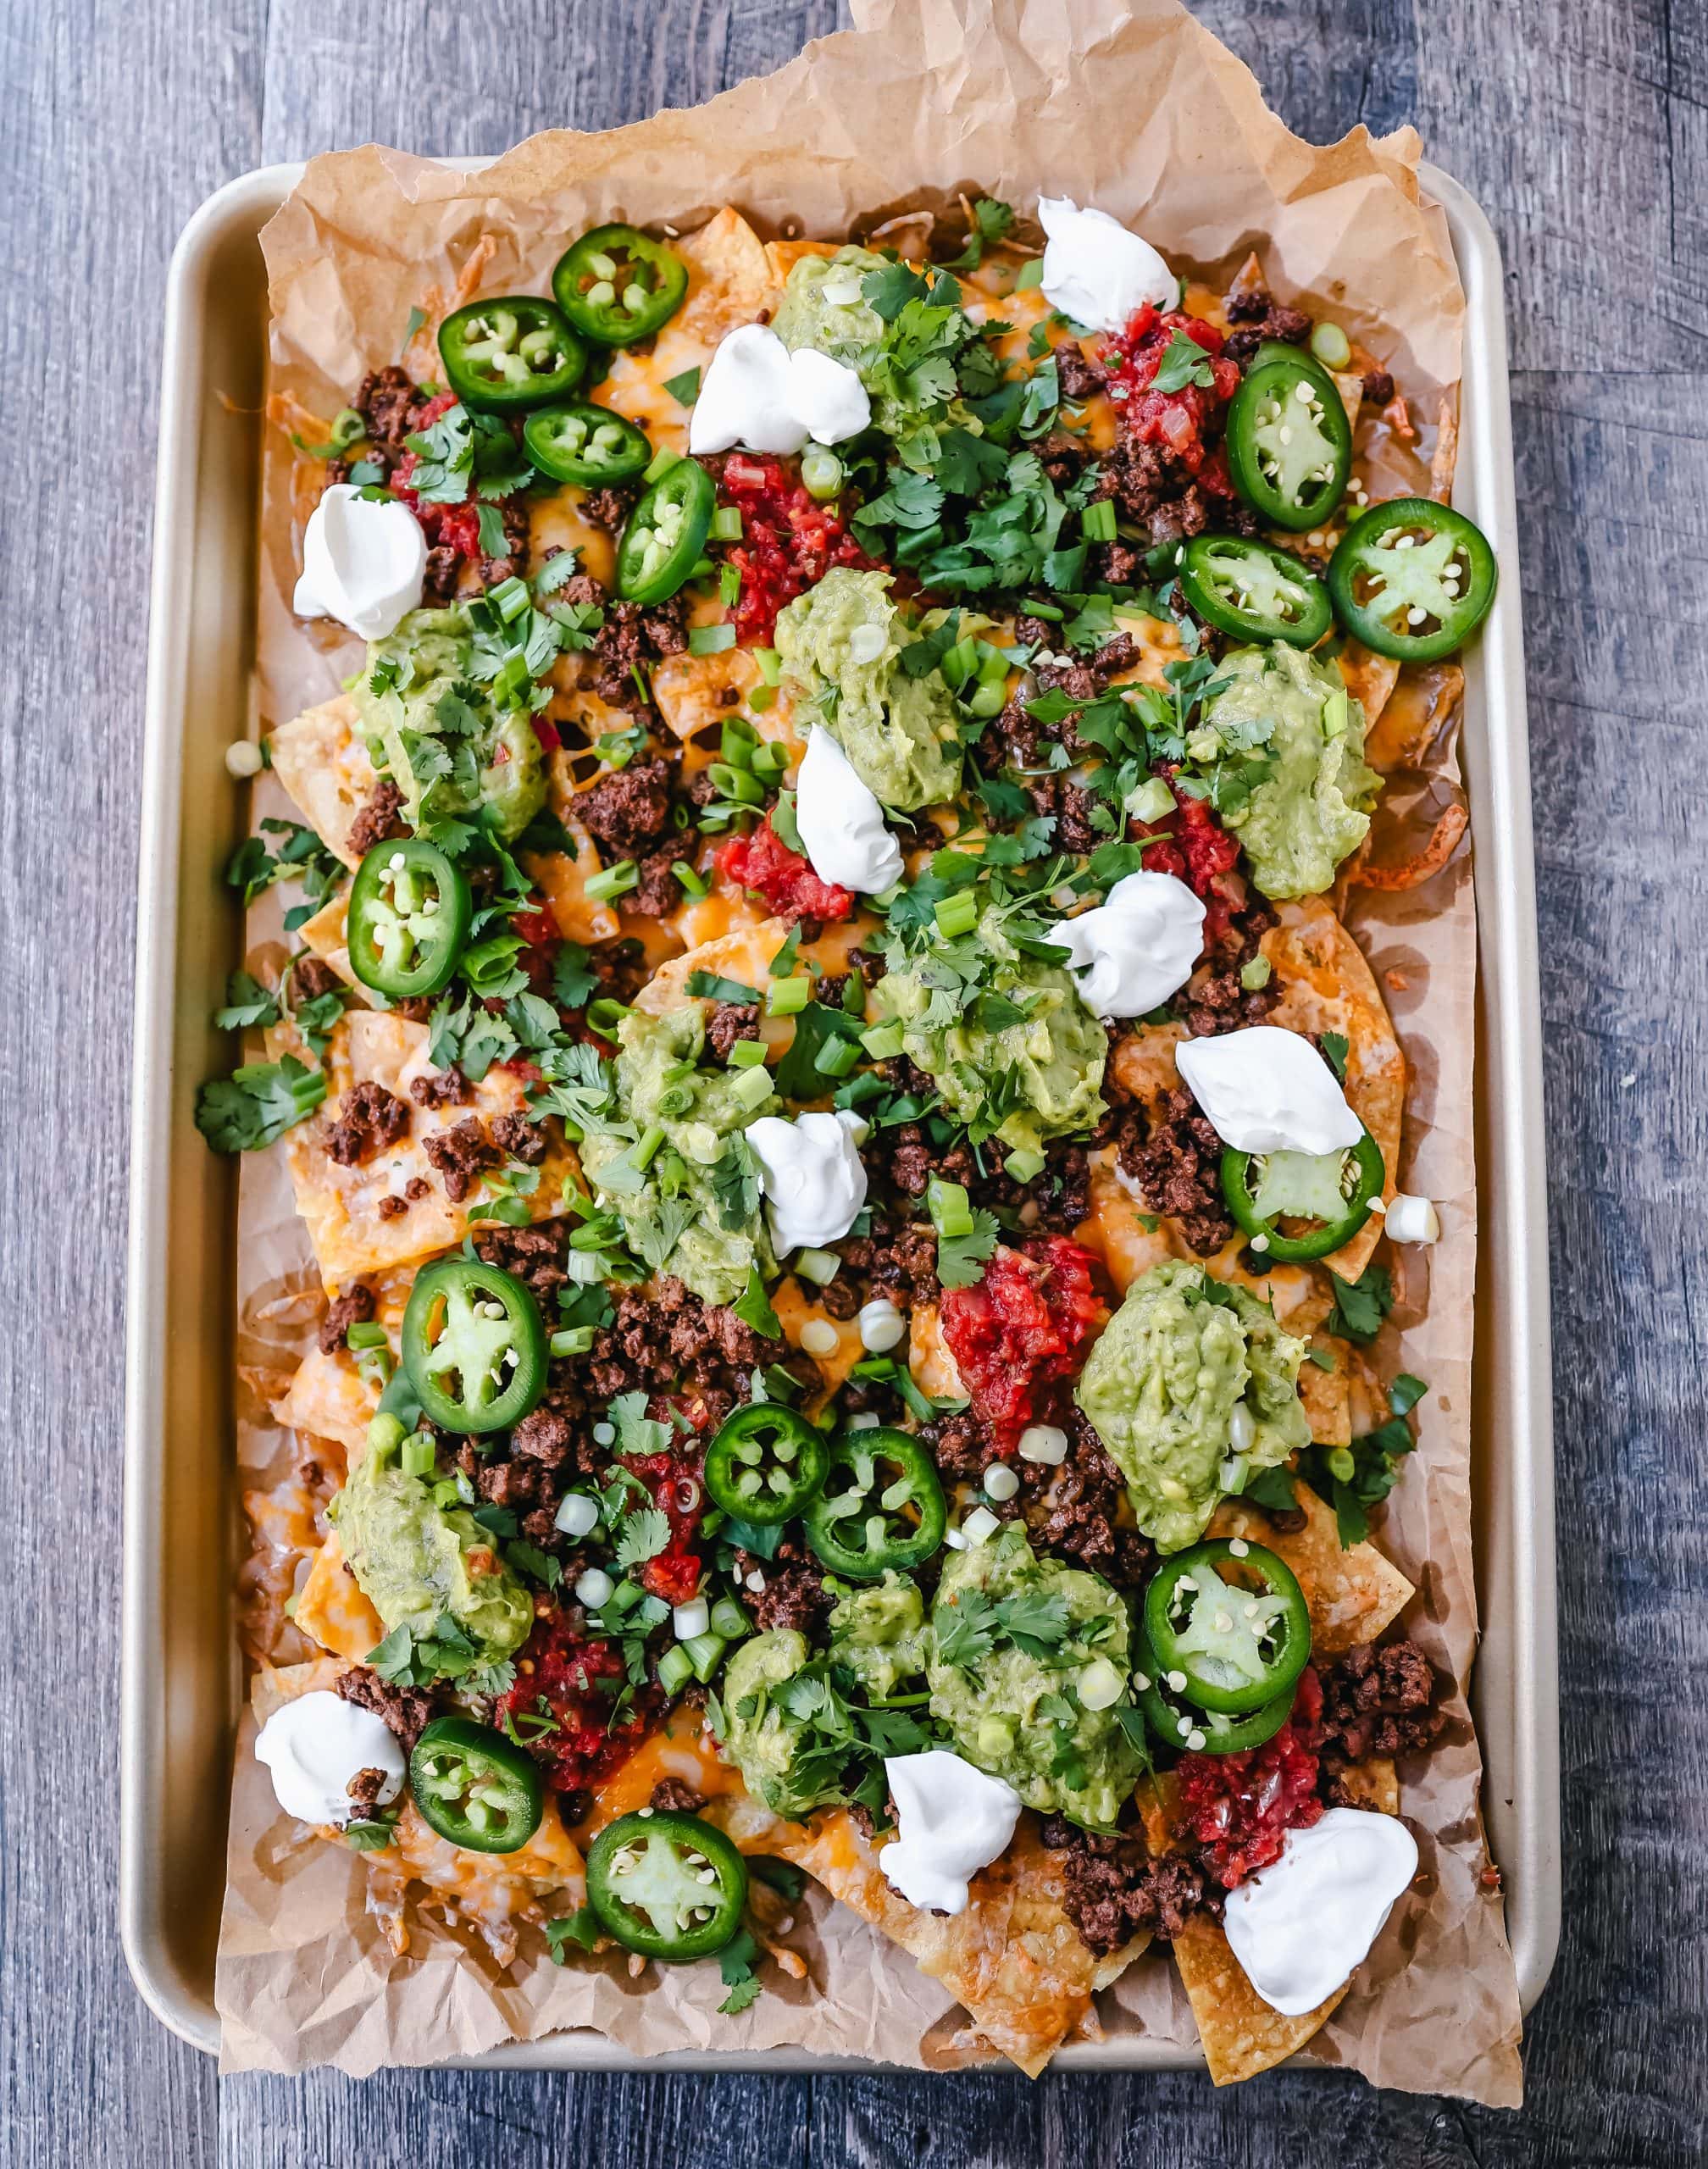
(1301, 1926)
(1139, 947)
(812, 1176)
(1097, 272)
(841, 822)
(756, 393)
(953, 1819)
(315, 1745)
(1266, 1089)
(363, 563)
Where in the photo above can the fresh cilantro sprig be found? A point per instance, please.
(1360, 1305)
(257, 1103)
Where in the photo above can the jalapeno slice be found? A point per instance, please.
(1290, 444)
(474, 1346)
(1264, 1189)
(579, 442)
(618, 285)
(1254, 592)
(1412, 580)
(474, 1787)
(666, 1884)
(881, 1506)
(666, 533)
(1201, 1732)
(514, 351)
(766, 1463)
(407, 918)
(1227, 1626)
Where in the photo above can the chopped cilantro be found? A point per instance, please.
(1360, 1305)
(257, 1103)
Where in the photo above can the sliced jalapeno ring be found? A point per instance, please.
(766, 1463)
(1290, 444)
(1246, 588)
(474, 1346)
(1412, 580)
(586, 444)
(474, 1787)
(1189, 1731)
(666, 533)
(1264, 1189)
(618, 285)
(514, 351)
(407, 919)
(1232, 1624)
(666, 1884)
(882, 1506)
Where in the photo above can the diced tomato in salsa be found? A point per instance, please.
(447, 527)
(762, 860)
(1241, 1806)
(1018, 1332)
(573, 1681)
(1187, 423)
(1198, 850)
(673, 1481)
(789, 540)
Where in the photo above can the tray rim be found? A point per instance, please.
(1514, 1689)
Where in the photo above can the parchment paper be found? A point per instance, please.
(1142, 112)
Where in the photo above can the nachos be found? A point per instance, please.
(846, 1147)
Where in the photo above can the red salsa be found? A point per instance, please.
(789, 541)
(1018, 1332)
(1186, 423)
(560, 1709)
(1197, 851)
(447, 527)
(674, 1482)
(762, 860)
(1240, 1807)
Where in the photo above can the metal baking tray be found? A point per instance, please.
(182, 1677)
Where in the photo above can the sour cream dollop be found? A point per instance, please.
(1097, 272)
(315, 1745)
(841, 822)
(953, 1819)
(1266, 1089)
(1301, 1926)
(363, 563)
(812, 1176)
(1137, 946)
(756, 393)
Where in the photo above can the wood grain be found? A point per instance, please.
(1583, 126)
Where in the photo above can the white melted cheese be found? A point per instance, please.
(1266, 1089)
(1139, 947)
(953, 1819)
(1095, 271)
(1301, 1926)
(757, 394)
(841, 822)
(812, 1176)
(315, 1745)
(363, 563)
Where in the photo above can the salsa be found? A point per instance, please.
(1198, 850)
(674, 1483)
(1186, 423)
(1017, 1333)
(789, 541)
(560, 1707)
(761, 860)
(1240, 1807)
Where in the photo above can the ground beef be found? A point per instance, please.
(840, 1298)
(1378, 387)
(1113, 1889)
(1079, 377)
(1119, 565)
(535, 1255)
(1213, 1000)
(442, 1088)
(310, 978)
(544, 1436)
(1069, 804)
(523, 1139)
(633, 634)
(461, 1155)
(794, 1595)
(380, 819)
(960, 1445)
(369, 1117)
(390, 406)
(443, 571)
(1175, 1158)
(1076, 1516)
(513, 513)
(1154, 489)
(728, 1021)
(658, 1342)
(657, 892)
(1377, 1701)
(365, 1788)
(609, 508)
(626, 811)
(904, 1261)
(1257, 316)
(355, 1306)
(406, 1710)
(671, 1796)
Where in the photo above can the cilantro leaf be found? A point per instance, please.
(247, 1002)
(754, 1307)
(580, 1929)
(966, 1629)
(1360, 1305)
(736, 1962)
(1335, 1050)
(684, 388)
(961, 1259)
(572, 983)
(711, 986)
(1184, 362)
(637, 1432)
(257, 1103)
(992, 219)
(1034, 1621)
(642, 1536)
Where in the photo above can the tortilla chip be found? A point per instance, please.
(1353, 1594)
(322, 760)
(744, 954)
(1370, 680)
(731, 277)
(332, 1609)
(328, 1398)
(1327, 1395)
(1424, 700)
(563, 879)
(326, 935)
(1374, 1785)
(933, 1367)
(1241, 2033)
(340, 1205)
(690, 689)
(783, 255)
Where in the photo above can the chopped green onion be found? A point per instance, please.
(1024, 1166)
(690, 881)
(747, 1054)
(760, 698)
(510, 598)
(706, 1653)
(662, 461)
(1031, 274)
(882, 1042)
(1097, 522)
(750, 1089)
(770, 760)
(770, 665)
(646, 1149)
(734, 782)
(955, 915)
(675, 1669)
(366, 1336)
(821, 1268)
(418, 1455)
(821, 470)
(614, 881)
(946, 1203)
(710, 639)
(728, 1618)
(836, 1057)
(606, 1014)
(572, 1340)
(726, 522)
(787, 997)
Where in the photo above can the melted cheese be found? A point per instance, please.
(332, 1609)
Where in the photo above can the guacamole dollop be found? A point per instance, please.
(1023, 1078)
(759, 1739)
(841, 642)
(436, 731)
(878, 1632)
(1161, 1385)
(823, 306)
(1013, 1636)
(695, 1205)
(417, 1562)
(1311, 808)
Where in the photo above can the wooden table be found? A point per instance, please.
(1583, 126)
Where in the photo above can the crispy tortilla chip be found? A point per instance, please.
(326, 935)
(745, 954)
(1327, 1395)
(332, 1611)
(1353, 1594)
(1373, 1784)
(731, 277)
(690, 689)
(1370, 680)
(340, 1205)
(329, 1399)
(322, 761)
(933, 1368)
(1241, 2033)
